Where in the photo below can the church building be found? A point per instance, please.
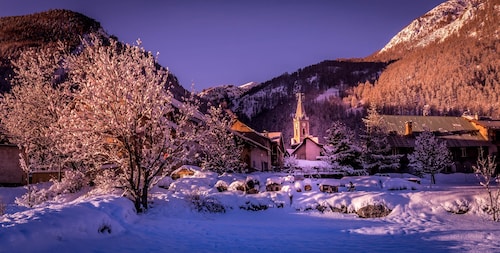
(304, 145)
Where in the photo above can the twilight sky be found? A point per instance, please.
(209, 43)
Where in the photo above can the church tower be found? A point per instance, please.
(300, 122)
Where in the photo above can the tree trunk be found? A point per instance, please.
(137, 204)
(145, 187)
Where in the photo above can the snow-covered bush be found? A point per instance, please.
(34, 196)
(205, 204)
(373, 211)
(257, 204)
(457, 206)
(73, 181)
(237, 185)
(290, 164)
(252, 184)
(165, 182)
(221, 186)
(398, 184)
(107, 180)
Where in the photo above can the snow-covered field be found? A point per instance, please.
(423, 218)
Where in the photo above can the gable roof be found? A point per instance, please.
(443, 124)
(304, 143)
(251, 135)
(457, 131)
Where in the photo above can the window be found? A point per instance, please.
(464, 152)
(395, 151)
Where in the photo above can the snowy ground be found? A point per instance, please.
(420, 220)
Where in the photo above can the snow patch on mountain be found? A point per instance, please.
(325, 96)
(438, 24)
(251, 105)
(248, 86)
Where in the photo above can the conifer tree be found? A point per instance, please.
(430, 155)
(341, 150)
(377, 154)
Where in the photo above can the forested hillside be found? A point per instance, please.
(46, 30)
(454, 72)
(445, 61)
(43, 29)
(270, 106)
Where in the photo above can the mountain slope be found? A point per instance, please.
(447, 60)
(270, 106)
(437, 25)
(45, 30)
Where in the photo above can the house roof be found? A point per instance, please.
(490, 124)
(442, 124)
(251, 135)
(274, 136)
(304, 143)
(456, 131)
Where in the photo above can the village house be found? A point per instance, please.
(464, 137)
(261, 151)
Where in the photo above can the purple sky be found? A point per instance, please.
(209, 43)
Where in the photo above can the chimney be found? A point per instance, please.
(408, 128)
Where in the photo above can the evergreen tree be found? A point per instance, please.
(377, 154)
(221, 151)
(430, 155)
(342, 151)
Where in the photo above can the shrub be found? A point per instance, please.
(249, 206)
(73, 181)
(205, 204)
(457, 207)
(221, 186)
(373, 211)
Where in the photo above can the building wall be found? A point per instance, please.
(260, 159)
(308, 151)
(10, 170)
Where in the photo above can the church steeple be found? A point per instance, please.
(300, 122)
(300, 113)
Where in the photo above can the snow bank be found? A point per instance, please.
(442, 218)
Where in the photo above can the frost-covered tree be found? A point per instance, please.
(290, 163)
(430, 155)
(31, 108)
(486, 172)
(377, 153)
(123, 118)
(221, 149)
(341, 150)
